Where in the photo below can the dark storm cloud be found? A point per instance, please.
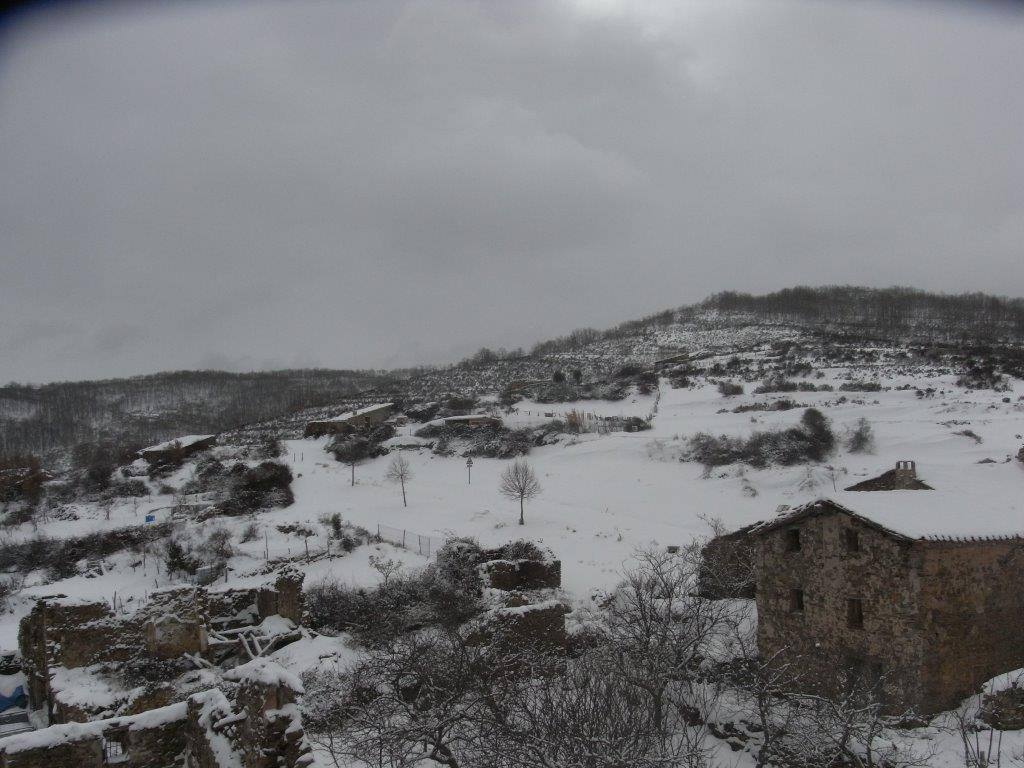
(366, 184)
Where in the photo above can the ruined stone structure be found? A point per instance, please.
(931, 618)
(62, 633)
(902, 478)
(511, 575)
(69, 632)
(285, 599)
(260, 729)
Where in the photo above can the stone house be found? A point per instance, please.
(175, 451)
(927, 612)
(346, 422)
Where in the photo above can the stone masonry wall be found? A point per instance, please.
(973, 604)
(86, 752)
(155, 739)
(510, 575)
(882, 574)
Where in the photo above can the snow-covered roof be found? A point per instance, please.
(179, 442)
(951, 515)
(68, 732)
(360, 412)
(265, 671)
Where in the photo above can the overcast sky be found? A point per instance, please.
(265, 184)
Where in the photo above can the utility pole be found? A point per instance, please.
(469, 471)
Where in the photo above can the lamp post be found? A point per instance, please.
(469, 471)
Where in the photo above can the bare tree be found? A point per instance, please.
(661, 628)
(518, 482)
(399, 471)
(386, 567)
(849, 727)
(766, 685)
(441, 698)
(352, 451)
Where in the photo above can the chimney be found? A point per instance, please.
(906, 474)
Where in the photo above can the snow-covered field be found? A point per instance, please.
(605, 496)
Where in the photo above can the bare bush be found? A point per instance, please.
(861, 438)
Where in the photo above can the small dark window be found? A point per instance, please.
(114, 752)
(854, 613)
(796, 600)
(793, 540)
(852, 539)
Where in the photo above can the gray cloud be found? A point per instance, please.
(367, 184)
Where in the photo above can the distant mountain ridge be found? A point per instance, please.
(141, 410)
(889, 313)
(148, 409)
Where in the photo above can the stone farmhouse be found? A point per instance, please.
(899, 593)
(346, 422)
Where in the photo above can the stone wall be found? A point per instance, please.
(261, 729)
(234, 607)
(99, 641)
(973, 609)
(882, 573)
(155, 739)
(539, 624)
(512, 575)
(84, 752)
(285, 598)
(169, 636)
(51, 626)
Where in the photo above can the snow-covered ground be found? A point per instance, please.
(604, 497)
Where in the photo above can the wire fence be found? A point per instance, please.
(416, 542)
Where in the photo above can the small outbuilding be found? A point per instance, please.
(346, 422)
(178, 448)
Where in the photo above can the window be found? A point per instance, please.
(852, 540)
(793, 540)
(854, 613)
(796, 600)
(114, 751)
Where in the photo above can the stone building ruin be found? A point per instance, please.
(62, 638)
(259, 727)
